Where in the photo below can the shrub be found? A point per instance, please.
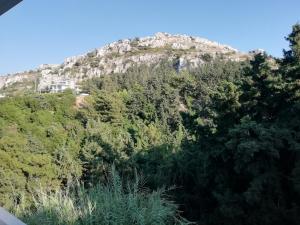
(114, 203)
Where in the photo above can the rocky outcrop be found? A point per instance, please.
(15, 78)
(118, 56)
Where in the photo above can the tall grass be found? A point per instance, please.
(115, 203)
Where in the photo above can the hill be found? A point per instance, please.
(214, 144)
(182, 50)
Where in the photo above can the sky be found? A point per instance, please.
(47, 31)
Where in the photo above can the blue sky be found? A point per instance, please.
(47, 31)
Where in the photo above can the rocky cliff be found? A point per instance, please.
(118, 56)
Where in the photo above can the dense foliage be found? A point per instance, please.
(225, 135)
(39, 143)
(112, 203)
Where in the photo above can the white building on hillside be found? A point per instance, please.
(62, 85)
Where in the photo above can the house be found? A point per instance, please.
(60, 86)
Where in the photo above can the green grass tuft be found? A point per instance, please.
(115, 203)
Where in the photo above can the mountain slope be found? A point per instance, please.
(185, 51)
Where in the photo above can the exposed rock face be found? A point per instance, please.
(15, 78)
(118, 56)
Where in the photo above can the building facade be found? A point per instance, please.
(60, 86)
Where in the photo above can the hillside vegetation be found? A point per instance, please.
(217, 144)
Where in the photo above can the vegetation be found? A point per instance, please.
(112, 203)
(226, 136)
(39, 144)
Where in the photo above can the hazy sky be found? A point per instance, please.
(47, 31)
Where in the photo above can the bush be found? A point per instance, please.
(114, 203)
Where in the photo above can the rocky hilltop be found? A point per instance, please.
(118, 56)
